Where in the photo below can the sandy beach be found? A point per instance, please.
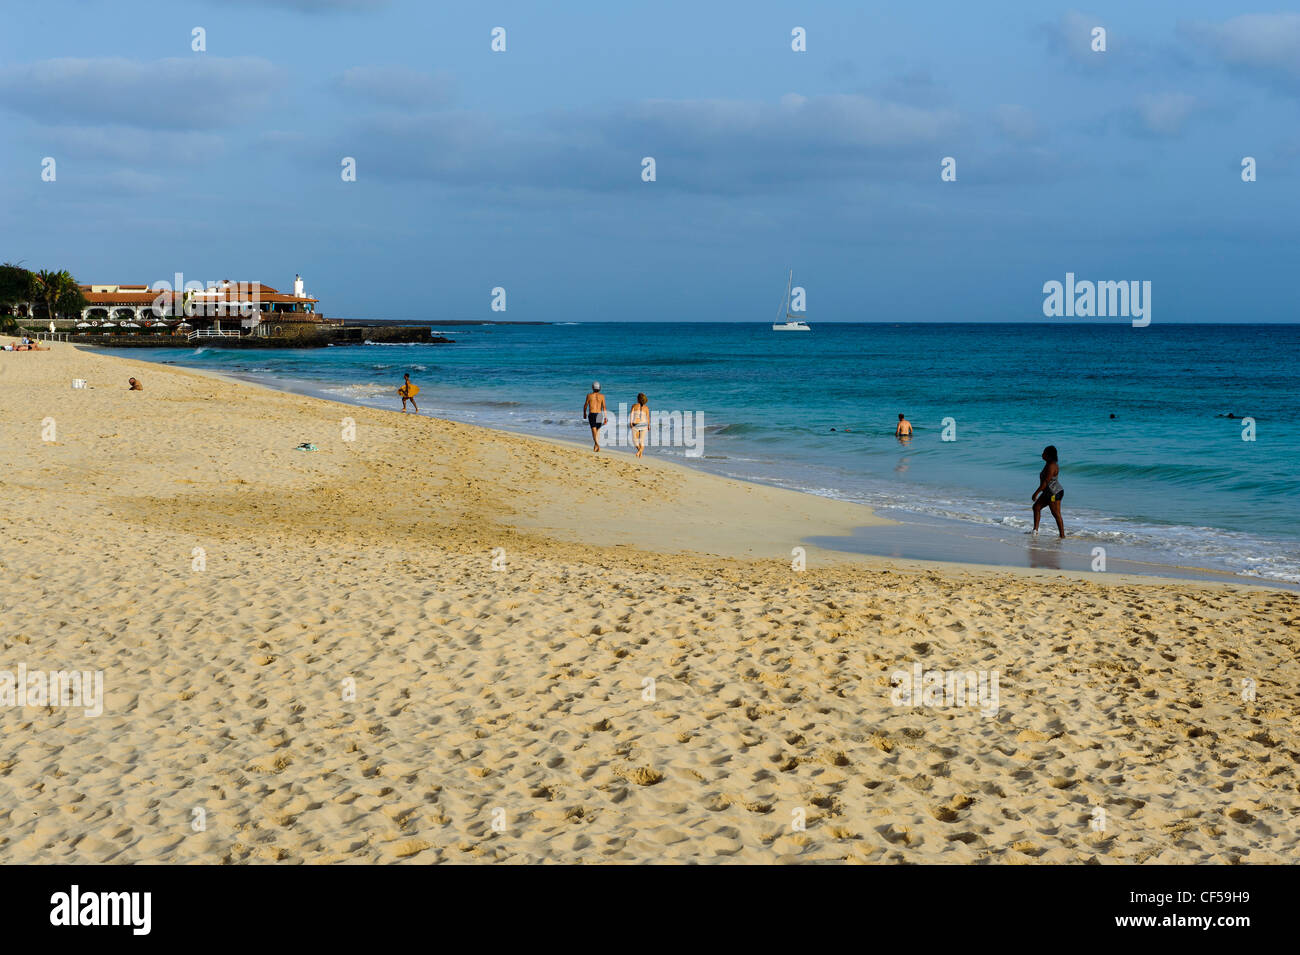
(439, 643)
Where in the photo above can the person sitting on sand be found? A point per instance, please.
(1049, 491)
(407, 393)
(639, 419)
(593, 409)
(134, 385)
(904, 428)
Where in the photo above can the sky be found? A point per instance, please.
(522, 169)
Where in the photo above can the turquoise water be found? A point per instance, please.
(1168, 479)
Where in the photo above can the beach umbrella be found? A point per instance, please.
(130, 325)
(109, 325)
(84, 325)
(184, 325)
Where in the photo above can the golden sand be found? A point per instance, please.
(559, 656)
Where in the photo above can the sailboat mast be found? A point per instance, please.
(785, 301)
(792, 323)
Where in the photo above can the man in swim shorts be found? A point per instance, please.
(593, 409)
(904, 429)
(408, 392)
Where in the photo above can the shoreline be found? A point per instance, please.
(912, 541)
(807, 510)
(360, 654)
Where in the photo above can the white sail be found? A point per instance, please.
(792, 323)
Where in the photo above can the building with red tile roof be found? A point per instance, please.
(249, 301)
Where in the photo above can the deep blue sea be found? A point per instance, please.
(1168, 478)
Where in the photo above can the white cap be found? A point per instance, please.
(595, 386)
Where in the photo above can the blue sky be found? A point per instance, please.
(522, 169)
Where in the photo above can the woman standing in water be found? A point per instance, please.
(1049, 491)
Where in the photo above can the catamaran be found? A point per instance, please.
(791, 324)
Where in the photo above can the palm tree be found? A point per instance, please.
(16, 291)
(50, 286)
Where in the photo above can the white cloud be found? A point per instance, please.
(190, 93)
(795, 123)
(1016, 122)
(396, 86)
(718, 146)
(314, 6)
(1165, 114)
(1268, 43)
(1071, 36)
(127, 144)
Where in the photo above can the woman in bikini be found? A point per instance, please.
(639, 419)
(1049, 491)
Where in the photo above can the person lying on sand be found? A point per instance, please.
(135, 385)
(593, 409)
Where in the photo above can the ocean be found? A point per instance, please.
(1167, 480)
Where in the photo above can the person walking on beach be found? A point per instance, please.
(639, 419)
(407, 393)
(904, 429)
(593, 409)
(1049, 491)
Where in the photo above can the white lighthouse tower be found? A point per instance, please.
(297, 287)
